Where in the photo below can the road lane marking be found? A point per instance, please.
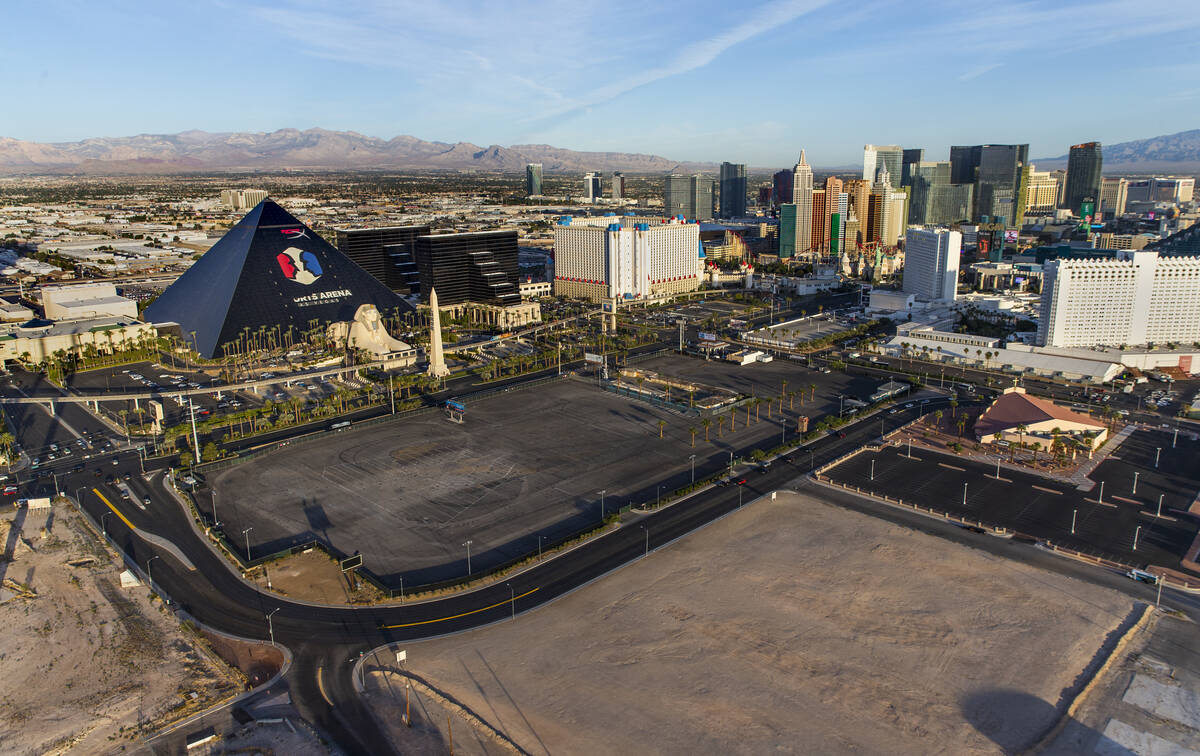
(321, 686)
(456, 616)
(114, 509)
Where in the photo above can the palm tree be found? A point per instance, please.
(124, 413)
(706, 422)
(661, 424)
(937, 418)
(812, 391)
(954, 408)
(720, 426)
(962, 424)
(692, 430)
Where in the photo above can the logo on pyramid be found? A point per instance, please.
(299, 265)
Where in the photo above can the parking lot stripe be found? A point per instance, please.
(464, 614)
(951, 467)
(114, 509)
(1048, 490)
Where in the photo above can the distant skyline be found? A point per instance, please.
(692, 81)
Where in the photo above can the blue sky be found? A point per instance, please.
(750, 82)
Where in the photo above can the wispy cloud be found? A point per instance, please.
(978, 71)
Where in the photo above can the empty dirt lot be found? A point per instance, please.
(789, 626)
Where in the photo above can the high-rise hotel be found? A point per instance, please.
(625, 257)
(1132, 299)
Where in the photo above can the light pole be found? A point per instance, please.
(1158, 598)
(602, 492)
(216, 522)
(872, 469)
(693, 459)
(540, 547)
(731, 462)
(740, 489)
(468, 545)
(647, 532)
(1135, 536)
(658, 497)
(271, 625)
(811, 459)
(1101, 499)
(246, 534)
(1157, 451)
(1159, 512)
(964, 494)
(512, 599)
(104, 523)
(1175, 437)
(1135, 477)
(1073, 513)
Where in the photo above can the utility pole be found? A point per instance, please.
(1135, 536)
(1135, 477)
(1073, 513)
(468, 545)
(246, 533)
(1157, 451)
(271, 625)
(1159, 512)
(693, 459)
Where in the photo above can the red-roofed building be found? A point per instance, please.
(1018, 417)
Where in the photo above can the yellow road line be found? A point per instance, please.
(114, 509)
(464, 614)
(321, 685)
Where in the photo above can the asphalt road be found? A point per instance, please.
(325, 641)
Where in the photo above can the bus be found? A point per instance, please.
(340, 425)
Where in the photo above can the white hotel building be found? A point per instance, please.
(626, 257)
(1133, 299)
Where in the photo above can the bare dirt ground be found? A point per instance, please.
(790, 626)
(286, 738)
(314, 576)
(88, 667)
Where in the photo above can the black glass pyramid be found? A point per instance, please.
(270, 271)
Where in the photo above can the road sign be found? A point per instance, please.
(352, 562)
(401, 657)
(596, 358)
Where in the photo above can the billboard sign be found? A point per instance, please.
(1011, 236)
(589, 357)
(708, 336)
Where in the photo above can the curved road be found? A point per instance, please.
(325, 641)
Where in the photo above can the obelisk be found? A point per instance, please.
(437, 360)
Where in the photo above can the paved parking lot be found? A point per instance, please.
(1044, 508)
(530, 463)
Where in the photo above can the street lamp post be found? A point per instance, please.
(1135, 477)
(1135, 536)
(1101, 499)
(872, 469)
(468, 545)
(658, 497)
(246, 533)
(647, 532)
(602, 492)
(1157, 451)
(540, 547)
(740, 489)
(811, 462)
(271, 625)
(731, 462)
(1073, 513)
(964, 494)
(512, 600)
(1175, 437)
(104, 523)
(693, 459)
(1159, 512)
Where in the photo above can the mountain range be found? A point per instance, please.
(320, 149)
(1179, 152)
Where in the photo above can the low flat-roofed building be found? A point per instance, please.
(11, 312)
(889, 390)
(534, 289)
(35, 340)
(1020, 418)
(92, 300)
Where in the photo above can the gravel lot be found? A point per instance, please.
(788, 626)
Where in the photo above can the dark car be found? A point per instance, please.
(841, 434)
